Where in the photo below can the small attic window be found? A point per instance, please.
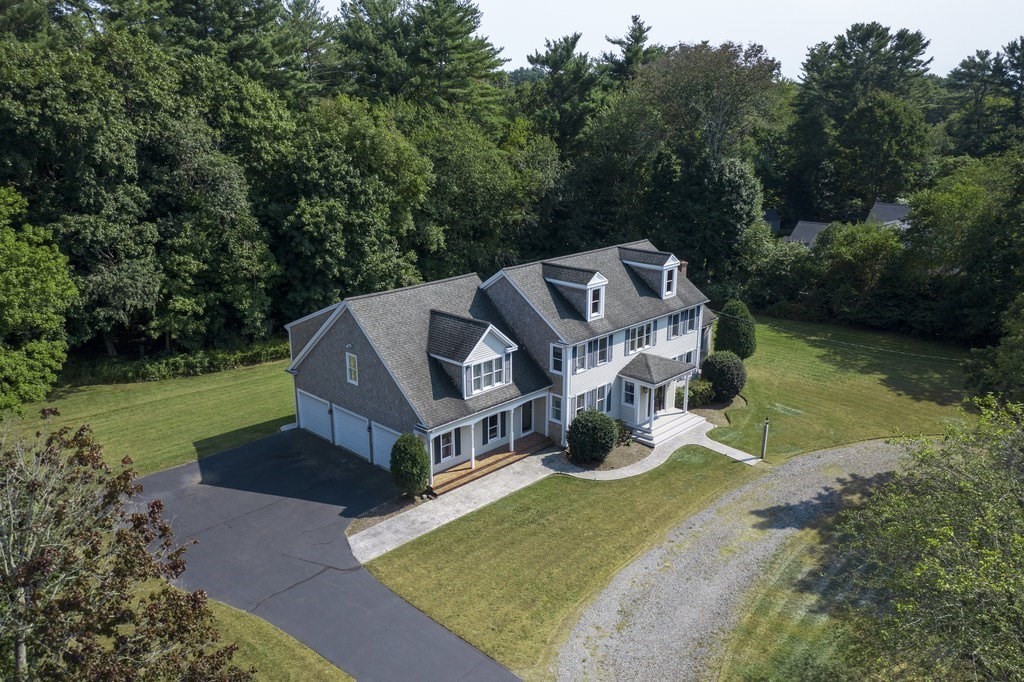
(596, 298)
(669, 290)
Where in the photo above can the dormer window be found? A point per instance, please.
(596, 303)
(669, 289)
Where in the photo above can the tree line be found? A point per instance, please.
(198, 176)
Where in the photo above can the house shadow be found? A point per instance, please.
(296, 464)
(918, 376)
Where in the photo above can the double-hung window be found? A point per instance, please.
(488, 374)
(675, 325)
(352, 368)
(670, 283)
(628, 393)
(447, 445)
(640, 337)
(599, 399)
(556, 359)
(556, 408)
(691, 319)
(686, 357)
(596, 304)
(579, 358)
(492, 428)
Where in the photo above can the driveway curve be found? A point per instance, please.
(269, 519)
(665, 615)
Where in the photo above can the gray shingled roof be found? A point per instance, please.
(805, 232)
(571, 275)
(628, 299)
(659, 258)
(397, 322)
(654, 369)
(709, 317)
(453, 336)
(886, 213)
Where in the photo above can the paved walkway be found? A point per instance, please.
(420, 520)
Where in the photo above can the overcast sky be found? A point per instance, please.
(786, 28)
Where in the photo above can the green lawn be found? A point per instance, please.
(512, 577)
(822, 385)
(275, 655)
(161, 424)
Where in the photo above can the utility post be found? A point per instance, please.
(764, 440)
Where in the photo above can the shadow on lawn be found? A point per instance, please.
(935, 377)
(820, 510)
(297, 464)
(229, 439)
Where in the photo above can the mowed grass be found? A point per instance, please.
(784, 622)
(511, 577)
(161, 424)
(274, 654)
(822, 385)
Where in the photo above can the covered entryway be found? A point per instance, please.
(351, 431)
(314, 415)
(383, 440)
(656, 417)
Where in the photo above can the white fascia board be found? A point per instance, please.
(496, 409)
(316, 337)
(311, 315)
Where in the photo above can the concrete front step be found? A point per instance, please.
(666, 427)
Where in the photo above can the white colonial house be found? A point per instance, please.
(475, 367)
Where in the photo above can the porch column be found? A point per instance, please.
(686, 394)
(650, 406)
(472, 445)
(430, 454)
(511, 429)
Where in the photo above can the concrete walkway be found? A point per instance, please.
(420, 520)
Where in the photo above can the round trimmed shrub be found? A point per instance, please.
(591, 436)
(735, 330)
(726, 372)
(410, 465)
(701, 393)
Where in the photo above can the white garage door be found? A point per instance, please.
(314, 415)
(350, 432)
(383, 440)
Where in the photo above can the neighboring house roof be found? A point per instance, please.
(890, 214)
(654, 369)
(454, 337)
(628, 299)
(806, 232)
(771, 216)
(399, 325)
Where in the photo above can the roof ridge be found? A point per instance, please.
(410, 287)
(567, 267)
(459, 317)
(572, 255)
(661, 253)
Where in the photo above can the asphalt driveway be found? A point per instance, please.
(270, 519)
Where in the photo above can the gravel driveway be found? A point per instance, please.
(665, 615)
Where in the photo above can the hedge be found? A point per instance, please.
(701, 394)
(158, 368)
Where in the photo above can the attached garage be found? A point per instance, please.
(383, 440)
(351, 431)
(314, 415)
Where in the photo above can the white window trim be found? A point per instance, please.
(551, 359)
(450, 444)
(551, 409)
(665, 291)
(349, 357)
(624, 384)
(653, 337)
(600, 290)
(499, 378)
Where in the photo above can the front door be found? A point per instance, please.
(527, 418)
(659, 399)
(645, 404)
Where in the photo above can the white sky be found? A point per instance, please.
(785, 27)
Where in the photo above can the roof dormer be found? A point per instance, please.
(659, 269)
(585, 289)
(475, 355)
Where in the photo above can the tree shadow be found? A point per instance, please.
(818, 511)
(918, 376)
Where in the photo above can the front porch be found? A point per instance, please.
(651, 382)
(488, 462)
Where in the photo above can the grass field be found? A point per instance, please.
(512, 577)
(822, 385)
(275, 655)
(161, 424)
